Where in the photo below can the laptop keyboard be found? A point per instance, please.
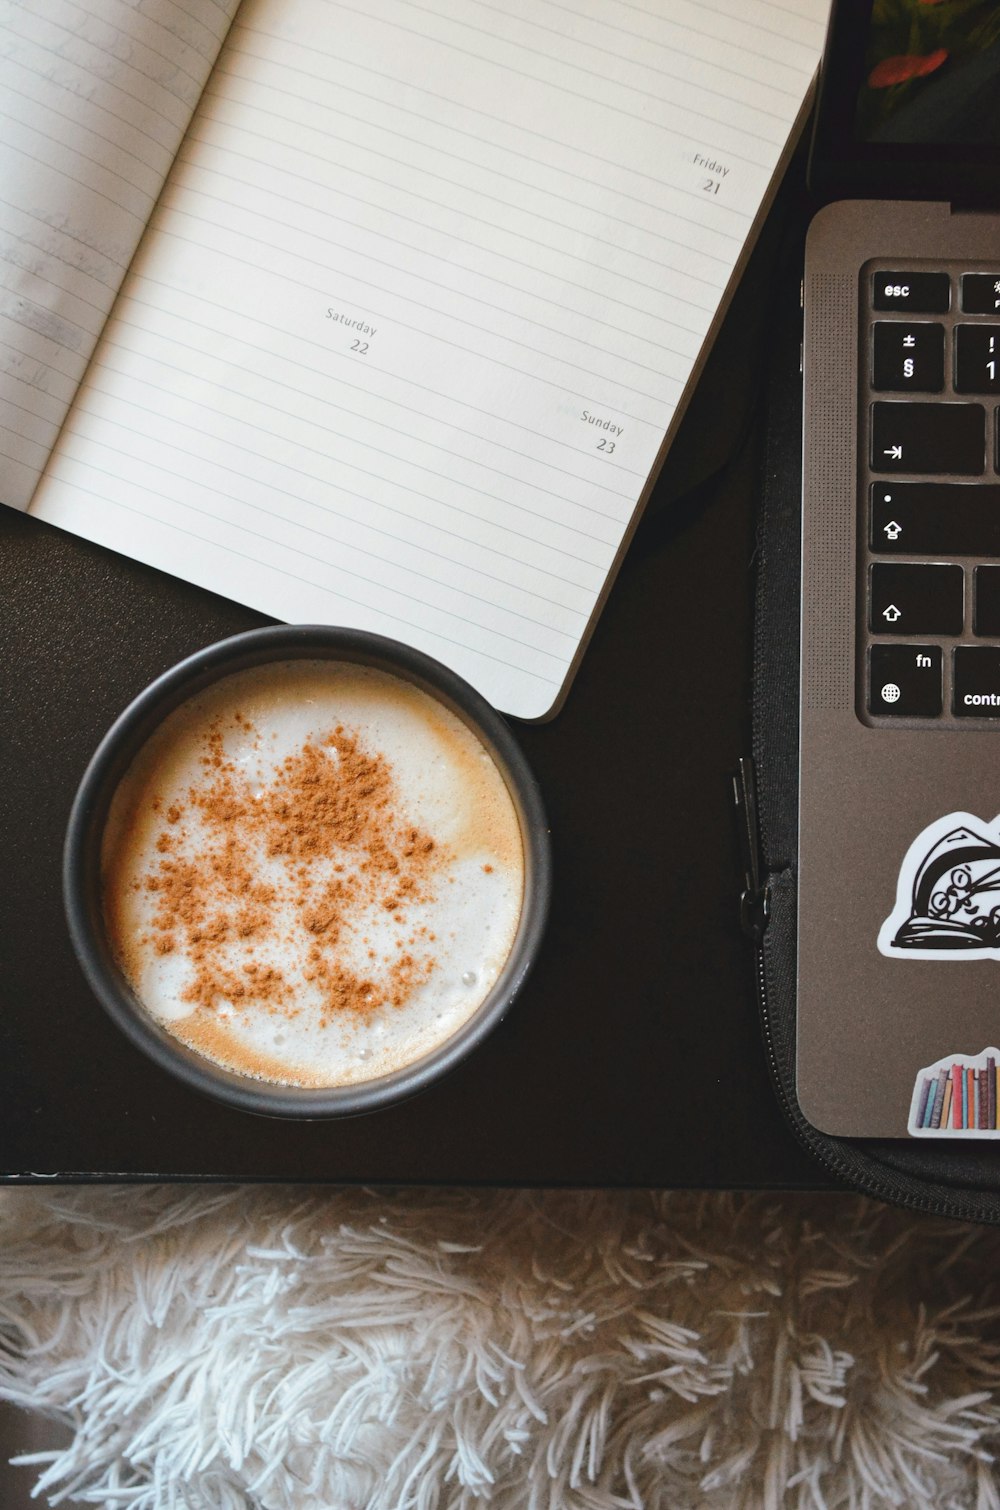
(930, 495)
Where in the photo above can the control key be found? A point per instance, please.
(977, 681)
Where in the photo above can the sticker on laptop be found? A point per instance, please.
(956, 1098)
(948, 893)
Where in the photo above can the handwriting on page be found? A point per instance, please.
(501, 203)
(97, 95)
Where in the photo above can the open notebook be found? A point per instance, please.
(377, 314)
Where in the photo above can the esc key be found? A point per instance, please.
(917, 293)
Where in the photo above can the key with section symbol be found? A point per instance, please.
(908, 356)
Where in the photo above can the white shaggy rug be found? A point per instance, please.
(419, 1350)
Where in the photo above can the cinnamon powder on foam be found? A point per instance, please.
(330, 799)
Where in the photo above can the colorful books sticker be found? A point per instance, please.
(956, 1098)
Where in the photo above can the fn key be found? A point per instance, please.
(905, 680)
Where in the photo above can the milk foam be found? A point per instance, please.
(457, 929)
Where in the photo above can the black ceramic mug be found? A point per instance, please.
(82, 869)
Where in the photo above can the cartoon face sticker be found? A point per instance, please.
(948, 893)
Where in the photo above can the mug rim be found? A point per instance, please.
(122, 742)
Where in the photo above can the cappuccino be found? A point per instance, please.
(312, 873)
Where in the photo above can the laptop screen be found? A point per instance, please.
(932, 74)
(909, 102)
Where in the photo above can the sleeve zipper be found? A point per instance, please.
(755, 899)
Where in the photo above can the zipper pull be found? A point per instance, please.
(755, 900)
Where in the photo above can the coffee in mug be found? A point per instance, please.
(312, 873)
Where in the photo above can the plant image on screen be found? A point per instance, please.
(932, 72)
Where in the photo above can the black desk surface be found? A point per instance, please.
(633, 1055)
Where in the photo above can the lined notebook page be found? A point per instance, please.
(418, 304)
(95, 96)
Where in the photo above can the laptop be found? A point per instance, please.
(899, 762)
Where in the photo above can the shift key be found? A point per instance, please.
(909, 599)
(929, 438)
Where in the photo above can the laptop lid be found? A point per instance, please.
(909, 103)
